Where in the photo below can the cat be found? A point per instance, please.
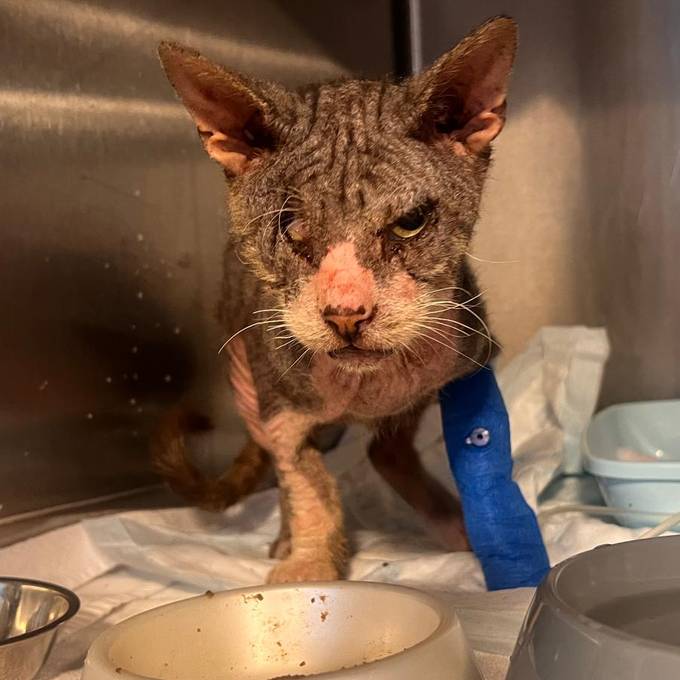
(347, 296)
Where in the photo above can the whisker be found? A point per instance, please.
(440, 290)
(453, 302)
(295, 362)
(408, 348)
(479, 318)
(285, 344)
(444, 320)
(460, 332)
(481, 259)
(429, 337)
(243, 330)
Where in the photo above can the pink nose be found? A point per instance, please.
(347, 323)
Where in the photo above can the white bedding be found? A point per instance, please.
(126, 563)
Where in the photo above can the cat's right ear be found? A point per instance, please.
(232, 119)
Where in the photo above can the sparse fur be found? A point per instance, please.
(319, 182)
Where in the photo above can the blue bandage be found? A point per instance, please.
(501, 527)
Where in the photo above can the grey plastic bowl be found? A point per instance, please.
(612, 613)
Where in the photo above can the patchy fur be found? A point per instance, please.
(347, 295)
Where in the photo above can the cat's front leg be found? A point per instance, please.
(317, 538)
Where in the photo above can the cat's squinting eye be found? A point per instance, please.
(410, 224)
(287, 225)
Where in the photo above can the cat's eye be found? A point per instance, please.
(291, 227)
(285, 220)
(410, 224)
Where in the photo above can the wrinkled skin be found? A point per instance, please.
(347, 295)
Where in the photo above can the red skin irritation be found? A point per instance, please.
(380, 393)
(342, 282)
(392, 385)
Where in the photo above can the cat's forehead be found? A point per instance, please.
(351, 146)
(355, 104)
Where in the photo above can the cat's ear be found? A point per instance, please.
(232, 119)
(461, 97)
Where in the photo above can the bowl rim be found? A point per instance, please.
(448, 619)
(72, 600)
(588, 625)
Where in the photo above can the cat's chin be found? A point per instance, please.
(356, 360)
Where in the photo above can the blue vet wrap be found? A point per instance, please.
(501, 527)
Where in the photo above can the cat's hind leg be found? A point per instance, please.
(396, 459)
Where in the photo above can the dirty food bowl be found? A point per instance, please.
(341, 630)
(30, 612)
(612, 613)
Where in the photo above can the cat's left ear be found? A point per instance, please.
(461, 98)
(233, 119)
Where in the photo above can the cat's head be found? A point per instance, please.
(354, 201)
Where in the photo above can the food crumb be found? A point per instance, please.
(198, 630)
(386, 564)
(324, 616)
(323, 598)
(209, 593)
(303, 663)
(119, 670)
(313, 600)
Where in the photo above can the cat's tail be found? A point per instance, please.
(170, 460)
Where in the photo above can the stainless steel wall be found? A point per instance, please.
(111, 220)
(630, 66)
(582, 212)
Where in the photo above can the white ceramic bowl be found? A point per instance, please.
(337, 630)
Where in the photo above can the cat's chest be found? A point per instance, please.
(371, 395)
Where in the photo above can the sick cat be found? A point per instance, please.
(347, 296)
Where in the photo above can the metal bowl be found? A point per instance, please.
(341, 630)
(30, 612)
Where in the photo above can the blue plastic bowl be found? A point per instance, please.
(634, 452)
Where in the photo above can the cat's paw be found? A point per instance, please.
(297, 570)
(281, 548)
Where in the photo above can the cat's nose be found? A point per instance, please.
(347, 323)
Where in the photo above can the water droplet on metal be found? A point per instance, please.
(107, 265)
(109, 379)
(176, 330)
(140, 295)
(43, 385)
(134, 349)
(168, 378)
(133, 401)
(89, 416)
(140, 237)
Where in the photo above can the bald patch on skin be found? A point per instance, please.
(314, 518)
(342, 282)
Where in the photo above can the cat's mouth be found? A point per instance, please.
(359, 357)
